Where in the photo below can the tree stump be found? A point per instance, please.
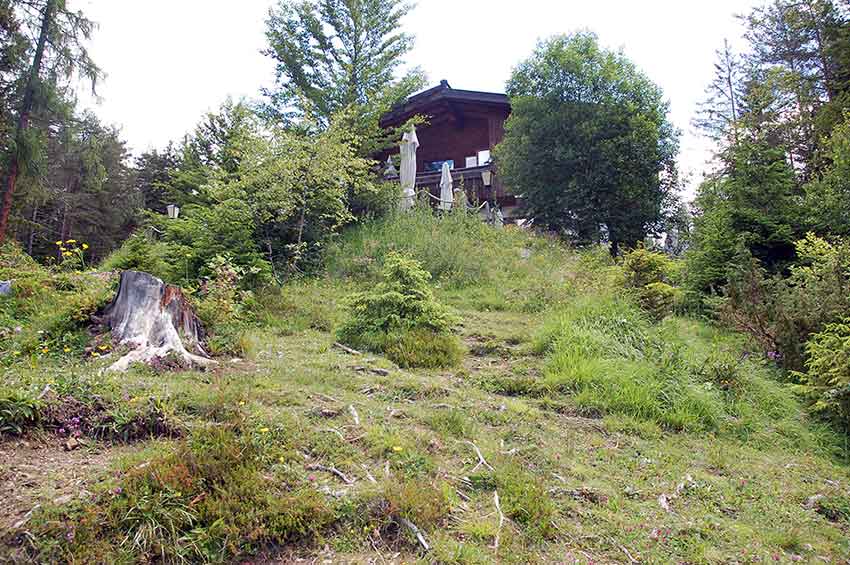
(156, 321)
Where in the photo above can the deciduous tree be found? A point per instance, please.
(589, 144)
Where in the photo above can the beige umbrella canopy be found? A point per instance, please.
(446, 195)
(409, 145)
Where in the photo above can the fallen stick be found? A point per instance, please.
(481, 460)
(347, 349)
(629, 555)
(416, 532)
(325, 397)
(20, 523)
(501, 519)
(332, 470)
(368, 474)
(335, 431)
(354, 414)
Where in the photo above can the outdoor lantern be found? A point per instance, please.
(487, 177)
(173, 211)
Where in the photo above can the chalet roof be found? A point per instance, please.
(419, 103)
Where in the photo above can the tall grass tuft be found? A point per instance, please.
(681, 374)
(491, 269)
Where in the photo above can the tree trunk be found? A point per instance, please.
(24, 117)
(31, 238)
(156, 321)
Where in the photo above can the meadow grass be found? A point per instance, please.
(586, 414)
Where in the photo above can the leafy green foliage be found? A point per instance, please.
(590, 165)
(270, 198)
(333, 56)
(49, 309)
(648, 273)
(827, 376)
(642, 267)
(223, 307)
(402, 301)
(781, 313)
(18, 412)
(142, 253)
(827, 197)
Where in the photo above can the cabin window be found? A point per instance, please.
(438, 165)
(484, 157)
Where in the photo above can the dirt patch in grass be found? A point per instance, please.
(33, 473)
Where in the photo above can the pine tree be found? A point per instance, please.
(58, 53)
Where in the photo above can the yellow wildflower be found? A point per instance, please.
(67, 350)
(241, 403)
(71, 241)
(103, 347)
(16, 353)
(264, 430)
(95, 354)
(85, 246)
(66, 254)
(59, 242)
(397, 448)
(282, 459)
(44, 350)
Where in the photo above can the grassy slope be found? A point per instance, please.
(592, 418)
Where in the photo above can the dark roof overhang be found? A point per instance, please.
(419, 103)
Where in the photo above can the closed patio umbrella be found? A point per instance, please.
(409, 145)
(446, 196)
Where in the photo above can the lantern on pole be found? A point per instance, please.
(173, 211)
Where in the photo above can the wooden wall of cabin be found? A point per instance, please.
(456, 137)
(451, 140)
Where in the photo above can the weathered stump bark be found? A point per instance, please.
(156, 321)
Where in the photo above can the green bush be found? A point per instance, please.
(649, 272)
(48, 311)
(827, 376)
(222, 306)
(142, 253)
(401, 317)
(642, 267)
(782, 313)
(659, 299)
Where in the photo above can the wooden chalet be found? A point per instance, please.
(463, 127)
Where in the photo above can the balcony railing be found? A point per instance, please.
(471, 179)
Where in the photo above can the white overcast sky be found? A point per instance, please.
(170, 61)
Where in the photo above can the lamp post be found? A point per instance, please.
(173, 211)
(487, 177)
